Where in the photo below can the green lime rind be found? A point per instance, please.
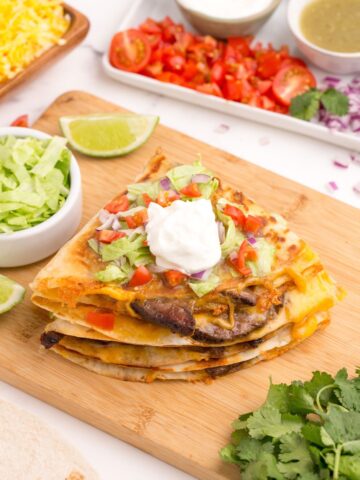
(11, 293)
(107, 135)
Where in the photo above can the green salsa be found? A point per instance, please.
(332, 24)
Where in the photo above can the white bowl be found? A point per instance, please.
(334, 62)
(35, 243)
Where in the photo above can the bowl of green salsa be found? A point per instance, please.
(327, 32)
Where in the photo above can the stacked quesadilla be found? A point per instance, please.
(181, 278)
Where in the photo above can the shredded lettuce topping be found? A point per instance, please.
(34, 180)
(124, 255)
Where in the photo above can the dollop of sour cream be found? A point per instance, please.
(227, 9)
(184, 236)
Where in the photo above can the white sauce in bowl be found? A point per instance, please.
(227, 9)
(184, 236)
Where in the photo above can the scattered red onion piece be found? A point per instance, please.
(203, 275)
(222, 128)
(263, 141)
(356, 188)
(200, 178)
(116, 225)
(103, 215)
(221, 230)
(332, 186)
(165, 183)
(252, 240)
(342, 161)
(107, 224)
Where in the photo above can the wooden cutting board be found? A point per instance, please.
(186, 424)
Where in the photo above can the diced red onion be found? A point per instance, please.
(165, 183)
(107, 224)
(252, 240)
(332, 186)
(221, 230)
(354, 123)
(200, 178)
(222, 128)
(103, 215)
(356, 188)
(342, 161)
(331, 81)
(116, 225)
(203, 275)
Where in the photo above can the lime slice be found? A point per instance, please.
(107, 134)
(11, 293)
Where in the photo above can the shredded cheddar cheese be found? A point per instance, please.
(27, 29)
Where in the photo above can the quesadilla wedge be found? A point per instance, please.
(179, 261)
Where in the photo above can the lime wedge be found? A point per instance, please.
(107, 134)
(11, 293)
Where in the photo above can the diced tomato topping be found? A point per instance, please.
(119, 205)
(101, 319)
(174, 278)
(218, 73)
(138, 219)
(150, 26)
(253, 224)
(130, 222)
(166, 197)
(147, 199)
(236, 214)
(109, 236)
(236, 69)
(141, 276)
(192, 190)
(210, 89)
(246, 252)
(22, 121)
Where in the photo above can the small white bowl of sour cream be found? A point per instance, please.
(33, 244)
(227, 18)
(334, 62)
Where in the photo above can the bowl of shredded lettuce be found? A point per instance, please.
(40, 195)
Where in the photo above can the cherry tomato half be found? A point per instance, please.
(130, 50)
(292, 81)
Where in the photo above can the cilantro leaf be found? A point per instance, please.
(306, 106)
(300, 400)
(295, 456)
(347, 392)
(319, 387)
(342, 426)
(312, 433)
(262, 469)
(278, 397)
(268, 421)
(335, 102)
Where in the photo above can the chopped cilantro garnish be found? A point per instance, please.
(307, 105)
(304, 431)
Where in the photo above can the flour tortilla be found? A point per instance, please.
(30, 450)
(191, 371)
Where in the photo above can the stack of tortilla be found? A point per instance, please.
(171, 334)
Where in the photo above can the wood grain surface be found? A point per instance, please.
(186, 424)
(76, 33)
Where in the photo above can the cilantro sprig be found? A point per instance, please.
(305, 430)
(307, 105)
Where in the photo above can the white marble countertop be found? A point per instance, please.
(307, 161)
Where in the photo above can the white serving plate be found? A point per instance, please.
(276, 31)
